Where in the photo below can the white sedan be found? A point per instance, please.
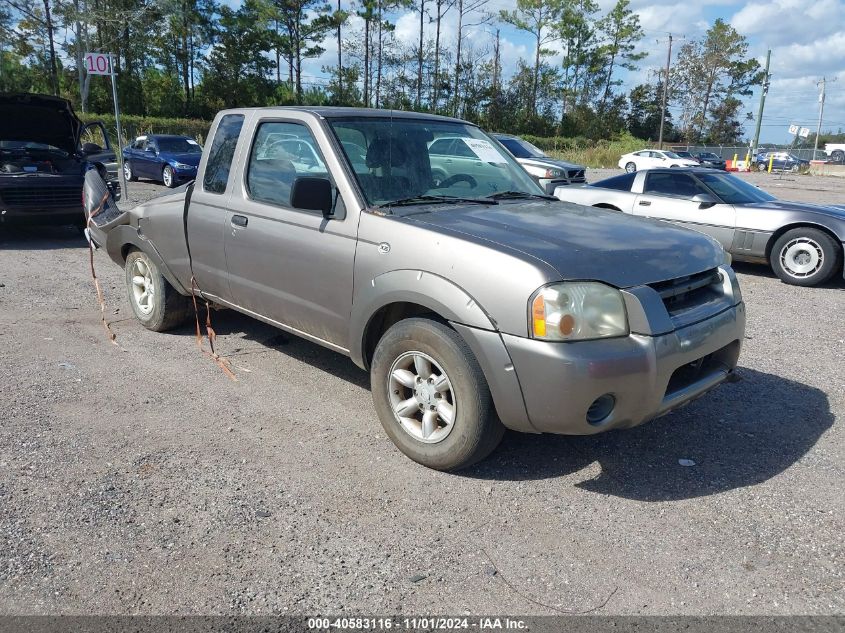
(652, 158)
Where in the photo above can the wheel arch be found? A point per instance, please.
(606, 205)
(124, 238)
(400, 294)
(797, 225)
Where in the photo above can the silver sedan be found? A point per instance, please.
(803, 243)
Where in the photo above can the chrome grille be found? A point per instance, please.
(689, 291)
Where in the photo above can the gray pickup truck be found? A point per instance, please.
(475, 302)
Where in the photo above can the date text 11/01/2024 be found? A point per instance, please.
(415, 623)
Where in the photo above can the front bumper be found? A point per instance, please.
(550, 184)
(646, 376)
(185, 175)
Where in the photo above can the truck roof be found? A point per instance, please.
(335, 112)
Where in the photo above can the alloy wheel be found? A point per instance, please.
(421, 397)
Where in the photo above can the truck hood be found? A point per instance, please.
(39, 119)
(585, 242)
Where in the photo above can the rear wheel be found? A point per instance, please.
(762, 166)
(168, 176)
(631, 167)
(431, 396)
(838, 155)
(154, 301)
(805, 257)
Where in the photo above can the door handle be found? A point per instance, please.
(240, 220)
(644, 203)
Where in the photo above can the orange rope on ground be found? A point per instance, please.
(223, 363)
(100, 299)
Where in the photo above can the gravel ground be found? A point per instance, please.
(139, 479)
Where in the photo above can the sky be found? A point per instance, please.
(806, 37)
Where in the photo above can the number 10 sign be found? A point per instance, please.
(98, 63)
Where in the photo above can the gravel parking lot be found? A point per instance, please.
(139, 479)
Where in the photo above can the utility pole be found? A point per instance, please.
(762, 103)
(822, 85)
(665, 94)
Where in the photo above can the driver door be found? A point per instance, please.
(666, 196)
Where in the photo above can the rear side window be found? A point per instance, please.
(221, 153)
(280, 153)
(667, 184)
(619, 183)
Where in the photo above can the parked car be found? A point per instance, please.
(549, 172)
(652, 158)
(836, 151)
(475, 303)
(711, 160)
(167, 158)
(685, 154)
(781, 161)
(43, 160)
(803, 243)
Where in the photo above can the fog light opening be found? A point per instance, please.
(601, 409)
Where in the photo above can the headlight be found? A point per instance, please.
(578, 310)
(542, 172)
(183, 166)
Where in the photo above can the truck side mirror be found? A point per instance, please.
(313, 194)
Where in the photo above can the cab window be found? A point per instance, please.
(280, 153)
(221, 153)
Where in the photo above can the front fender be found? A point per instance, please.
(126, 235)
(412, 286)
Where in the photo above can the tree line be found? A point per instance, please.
(190, 58)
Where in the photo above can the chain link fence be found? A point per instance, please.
(728, 152)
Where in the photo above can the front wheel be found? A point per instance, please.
(168, 176)
(431, 396)
(128, 173)
(631, 167)
(762, 167)
(805, 257)
(154, 301)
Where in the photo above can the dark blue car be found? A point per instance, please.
(163, 157)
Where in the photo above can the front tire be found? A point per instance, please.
(431, 396)
(168, 176)
(630, 167)
(154, 301)
(805, 257)
(128, 173)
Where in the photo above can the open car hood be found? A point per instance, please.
(39, 119)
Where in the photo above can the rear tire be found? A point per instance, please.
(762, 166)
(154, 301)
(838, 156)
(630, 167)
(463, 427)
(805, 257)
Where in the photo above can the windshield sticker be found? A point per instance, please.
(191, 142)
(484, 150)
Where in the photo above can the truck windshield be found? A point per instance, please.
(434, 161)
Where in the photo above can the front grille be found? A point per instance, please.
(576, 175)
(686, 292)
(42, 198)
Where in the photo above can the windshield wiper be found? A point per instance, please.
(423, 199)
(516, 195)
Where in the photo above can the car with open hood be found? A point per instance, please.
(475, 302)
(45, 151)
(803, 243)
